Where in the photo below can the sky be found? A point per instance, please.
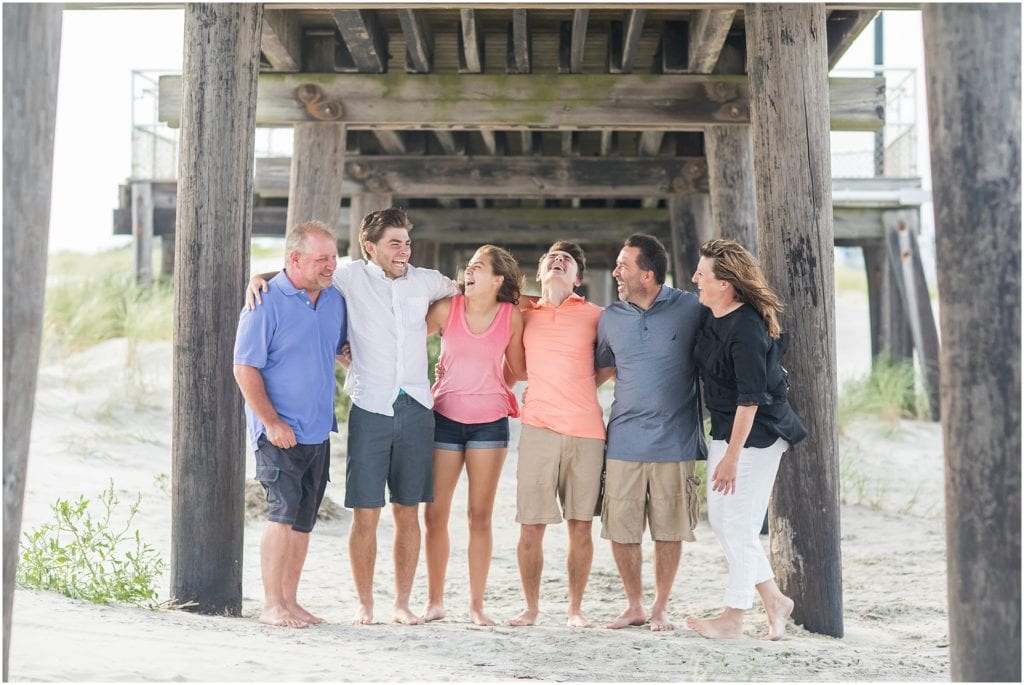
(92, 155)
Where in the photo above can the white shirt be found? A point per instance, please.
(387, 329)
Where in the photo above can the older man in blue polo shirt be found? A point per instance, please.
(284, 365)
(654, 431)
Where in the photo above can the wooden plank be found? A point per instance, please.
(314, 173)
(391, 142)
(526, 142)
(607, 143)
(905, 263)
(471, 43)
(281, 40)
(730, 155)
(579, 39)
(490, 142)
(446, 139)
(649, 144)
(142, 233)
(972, 56)
(843, 27)
(518, 52)
(690, 220)
(365, 39)
(419, 50)
(31, 55)
(678, 102)
(789, 121)
(222, 50)
(503, 176)
(708, 30)
(624, 41)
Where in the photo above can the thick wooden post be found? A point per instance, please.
(789, 115)
(318, 165)
(890, 333)
(360, 207)
(730, 156)
(972, 67)
(31, 63)
(167, 255)
(222, 51)
(142, 231)
(690, 225)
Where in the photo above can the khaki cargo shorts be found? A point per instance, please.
(661, 494)
(555, 468)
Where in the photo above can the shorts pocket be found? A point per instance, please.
(693, 500)
(267, 474)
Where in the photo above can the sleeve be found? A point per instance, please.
(441, 286)
(748, 350)
(604, 357)
(342, 275)
(252, 339)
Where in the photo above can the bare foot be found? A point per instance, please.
(364, 615)
(526, 617)
(629, 617)
(305, 615)
(404, 616)
(578, 620)
(279, 616)
(660, 621)
(726, 626)
(777, 615)
(433, 612)
(480, 618)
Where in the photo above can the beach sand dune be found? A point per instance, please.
(105, 414)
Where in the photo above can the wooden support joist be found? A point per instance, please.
(708, 30)
(649, 144)
(471, 43)
(607, 143)
(624, 41)
(510, 177)
(518, 53)
(526, 142)
(365, 39)
(447, 141)
(392, 142)
(853, 226)
(843, 27)
(490, 141)
(281, 40)
(679, 102)
(419, 56)
(573, 40)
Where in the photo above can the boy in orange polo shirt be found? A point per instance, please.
(561, 448)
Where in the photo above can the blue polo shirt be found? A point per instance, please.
(655, 415)
(293, 343)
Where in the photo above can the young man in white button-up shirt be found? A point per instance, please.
(391, 424)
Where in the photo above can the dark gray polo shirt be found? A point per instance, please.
(655, 414)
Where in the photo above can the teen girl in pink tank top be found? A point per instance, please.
(480, 330)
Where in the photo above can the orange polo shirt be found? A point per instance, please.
(561, 391)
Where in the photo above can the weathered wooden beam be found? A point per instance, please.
(649, 144)
(490, 141)
(708, 30)
(579, 39)
(31, 60)
(446, 139)
(843, 27)
(890, 334)
(391, 142)
(419, 51)
(789, 121)
(691, 226)
(365, 39)
(607, 142)
(502, 176)
(314, 173)
(518, 52)
(281, 40)
(471, 43)
(679, 102)
(730, 155)
(142, 232)
(972, 57)
(221, 64)
(624, 42)
(526, 142)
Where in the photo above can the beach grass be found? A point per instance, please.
(889, 391)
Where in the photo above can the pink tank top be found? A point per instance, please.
(472, 388)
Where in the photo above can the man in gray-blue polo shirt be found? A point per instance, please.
(654, 432)
(284, 365)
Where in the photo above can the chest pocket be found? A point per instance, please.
(414, 312)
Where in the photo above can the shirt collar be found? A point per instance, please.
(572, 300)
(377, 272)
(282, 281)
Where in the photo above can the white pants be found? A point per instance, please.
(737, 518)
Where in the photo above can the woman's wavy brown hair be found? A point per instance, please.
(505, 265)
(734, 264)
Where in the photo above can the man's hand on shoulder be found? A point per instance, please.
(257, 284)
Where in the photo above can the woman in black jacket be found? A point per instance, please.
(738, 350)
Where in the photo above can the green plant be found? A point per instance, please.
(888, 392)
(86, 558)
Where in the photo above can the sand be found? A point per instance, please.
(105, 413)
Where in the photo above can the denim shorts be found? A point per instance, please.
(294, 479)
(457, 436)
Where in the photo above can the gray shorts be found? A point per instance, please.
(397, 450)
(294, 479)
